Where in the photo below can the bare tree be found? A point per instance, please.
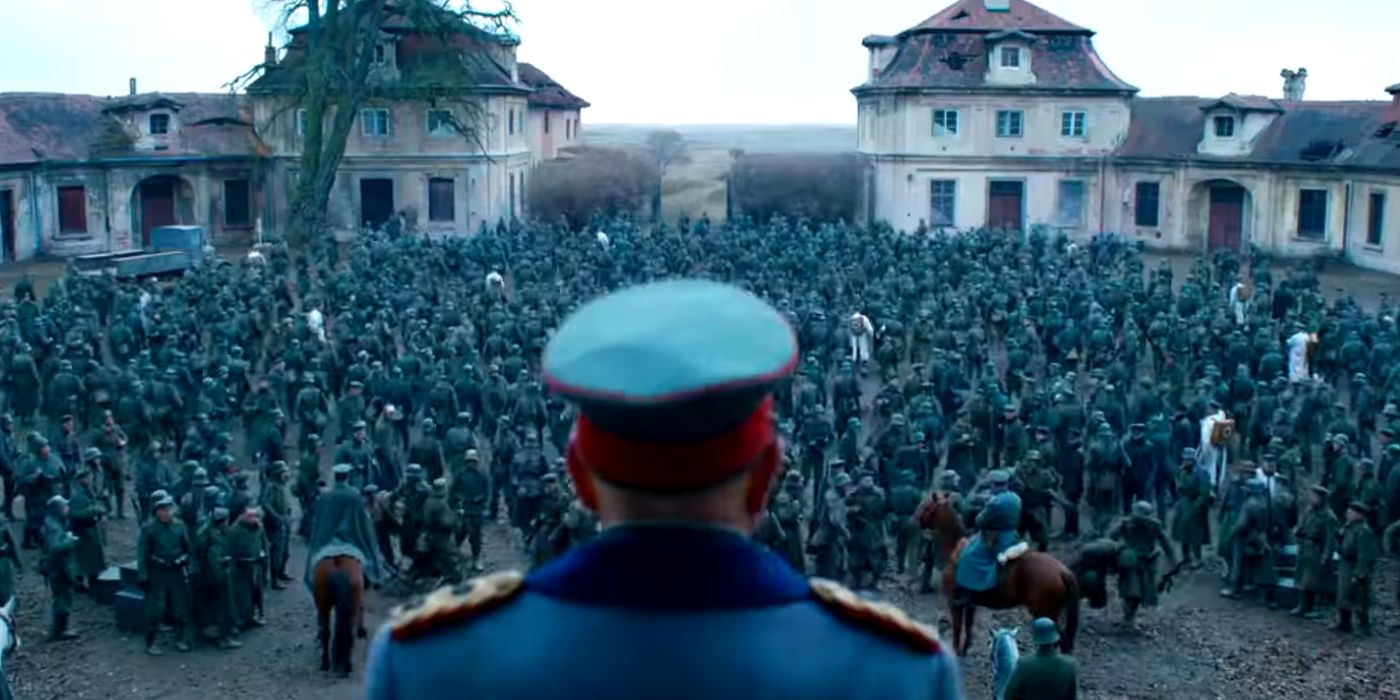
(664, 148)
(327, 73)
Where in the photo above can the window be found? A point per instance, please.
(1009, 123)
(943, 202)
(1069, 210)
(1224, 127)
(945, 122)
(1010, 57)
(160, 124)
(1145, 210)
(72, 209)
(381, 54)
(1375, 219)
(238, 205)
(1312, 213)
(440, 122)
(441, 203)
(1072, 123)
(511, 123)
(512, 195)
(524, 195)
(301, 122)
(374, 122)
(546, 122)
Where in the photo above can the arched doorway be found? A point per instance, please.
(1222, 211)
(161, 200)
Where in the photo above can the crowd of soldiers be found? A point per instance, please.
(207, 407)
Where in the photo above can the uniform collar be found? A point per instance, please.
(674, 568)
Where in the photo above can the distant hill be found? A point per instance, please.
(795, 138)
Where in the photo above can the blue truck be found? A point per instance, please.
(173, 250)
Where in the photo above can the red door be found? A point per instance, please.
(157, 207)
(1226, 217)
(1004, 205)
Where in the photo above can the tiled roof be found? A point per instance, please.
(37, 127)
(973, 16)
(959, 60)
(547, 92)
(1303, 133)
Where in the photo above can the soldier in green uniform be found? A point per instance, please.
(308, 485)
(868, 517)
(470, 488)
(1038, 486)
(1045, 675)
(111, 442)
(276, 505)
(247, 547)
(59, 566)
(85, 514)
(10, 564)
(41, 478)
(1253, 553)
(904, 502)
(1316, 534)
(216, 571)
(1357, 555)
(1192, 508)
(163, 553)
(438, 555)
(1368, 490)
(406, 504)
(1142, 539)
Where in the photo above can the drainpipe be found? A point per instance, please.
(34, 214)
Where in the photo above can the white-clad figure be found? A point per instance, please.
(1298, 355)
(316, 321)
(1239, 302)
(494, 281)
(861, 335)
(603, 240)
(1210, 456)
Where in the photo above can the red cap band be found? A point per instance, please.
(673, 466)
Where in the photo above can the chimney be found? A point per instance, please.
(1394, 112)
(997, 5)
(132, 86)
(1294, 84)
(269, 53)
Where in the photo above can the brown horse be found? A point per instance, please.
(1036, 581)
(339, 584)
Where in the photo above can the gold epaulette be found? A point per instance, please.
(450, 605)
(882, 618)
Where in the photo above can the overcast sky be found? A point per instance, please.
(726, 61)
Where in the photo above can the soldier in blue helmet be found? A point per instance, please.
(996, 524)
(675, 450)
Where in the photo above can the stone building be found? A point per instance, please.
(999, 114)
(82, 174)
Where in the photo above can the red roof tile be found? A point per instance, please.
(973, 16)
(942, 60)
(547, 92)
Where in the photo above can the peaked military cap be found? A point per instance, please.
(673, 382)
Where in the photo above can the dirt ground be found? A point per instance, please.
(1196, 645)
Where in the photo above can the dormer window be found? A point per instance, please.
(1010, 57)
(159, 124)
(1224, 127)
(381, 54)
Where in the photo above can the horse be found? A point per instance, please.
(339, 586)
(1035, 580)
(1002, 646)
(9, 642)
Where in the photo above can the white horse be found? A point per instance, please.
(1004, 656)
(9, 642)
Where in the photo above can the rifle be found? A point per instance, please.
(1166, 583)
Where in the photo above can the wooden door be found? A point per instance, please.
(1004, 205)
(157, 207)
(1226, 217)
